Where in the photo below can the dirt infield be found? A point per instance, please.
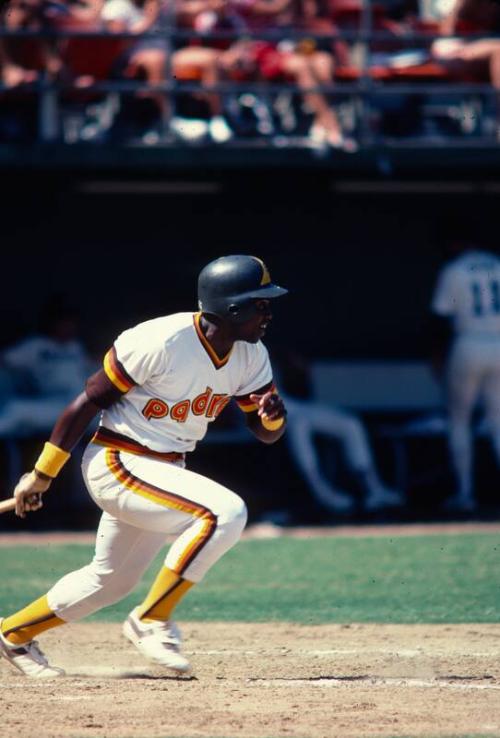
(265, 681)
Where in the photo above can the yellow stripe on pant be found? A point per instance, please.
(170, 500)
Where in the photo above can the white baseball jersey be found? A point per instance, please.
(174, 384)
(468, 291)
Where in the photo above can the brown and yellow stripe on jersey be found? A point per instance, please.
(117, 373)
(248, 405)
(216, 360)
(170, 500)
(111, 439)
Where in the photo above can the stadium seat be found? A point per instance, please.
(19, 105)
(349, 13)
(92, 56)
(87, 114)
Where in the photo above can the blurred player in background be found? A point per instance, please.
(466, 308)
(307, 421)
(46, 371)
(161, 384)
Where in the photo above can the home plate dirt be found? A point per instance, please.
(265, 681)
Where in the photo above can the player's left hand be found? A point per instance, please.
(28, 493)
(270, 405)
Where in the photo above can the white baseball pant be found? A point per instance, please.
(144, 500)
(305, 420)
(473, 376)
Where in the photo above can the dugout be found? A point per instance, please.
(360, 256)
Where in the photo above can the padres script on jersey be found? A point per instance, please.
(174, 384)
(468, 291)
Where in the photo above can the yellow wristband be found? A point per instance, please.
(272, 425)
(51, 460)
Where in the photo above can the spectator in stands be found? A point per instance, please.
(46, 369)
(199, 60)
(303, 62)
(307, 420)
(86, 59)
(151, 58)
(146, 57)
(466, 308)
(307, 66)
(12, 74)
(476, 58)
(21, 59)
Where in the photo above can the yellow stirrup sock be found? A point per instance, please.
(29, 622)
(167, 590)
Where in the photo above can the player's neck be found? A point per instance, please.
(218, 337)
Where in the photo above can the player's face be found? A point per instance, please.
(253, 329)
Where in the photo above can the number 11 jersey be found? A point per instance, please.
(468, 292)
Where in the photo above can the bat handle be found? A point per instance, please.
(10, 504)
(7, 505)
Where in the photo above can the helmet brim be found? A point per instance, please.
(267, 292)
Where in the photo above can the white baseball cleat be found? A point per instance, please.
(459, 504)
(381, 498)
(158, 642)
(29, 659)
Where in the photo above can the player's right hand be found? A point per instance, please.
(28, 493)
(270, 405)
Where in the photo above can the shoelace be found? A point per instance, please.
(168, 631)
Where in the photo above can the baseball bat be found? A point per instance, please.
(10, 504)
(7, 505)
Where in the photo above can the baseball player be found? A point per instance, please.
(161, 384)
(307, 420)
(54, 363)
(467, 301)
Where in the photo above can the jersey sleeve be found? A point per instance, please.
(133, 359)
(259, 376)
(444, 298)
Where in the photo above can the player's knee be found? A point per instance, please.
(237, 513)
(110, 584)
(119, 589)
(353, 435)
(232, 520)
(353, 427)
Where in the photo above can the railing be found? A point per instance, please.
(362, 100)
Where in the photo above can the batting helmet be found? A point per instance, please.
(228, 286)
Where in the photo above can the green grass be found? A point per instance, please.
(428, 579)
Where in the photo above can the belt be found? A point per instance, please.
(111, 439)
